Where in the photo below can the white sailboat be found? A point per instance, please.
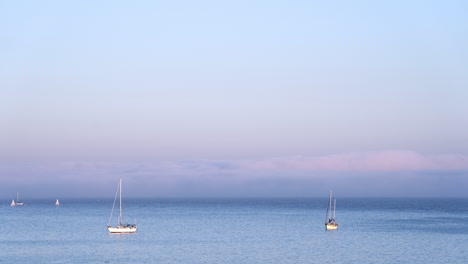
(17, 202)
(57, 203)
(330, 222)
(121, 227)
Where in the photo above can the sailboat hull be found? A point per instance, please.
(331, 226)
(122, 229)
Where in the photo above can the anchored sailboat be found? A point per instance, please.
(17, 202)
(330, 222)
(121, 227)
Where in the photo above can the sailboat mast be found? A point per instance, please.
(17, 195)
(329, 208)
(120, 193)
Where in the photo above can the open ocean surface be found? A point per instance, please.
(237, 231)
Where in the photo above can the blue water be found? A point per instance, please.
(237, 231)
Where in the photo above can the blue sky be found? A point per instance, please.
(186, 98)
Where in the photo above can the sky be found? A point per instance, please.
(234, 98)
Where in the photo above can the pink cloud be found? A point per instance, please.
(171, 172)
(393, 160)
(286, 175)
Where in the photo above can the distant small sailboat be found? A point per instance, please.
(121, 227)
(57, 203)
(330, 222)
(17, 202)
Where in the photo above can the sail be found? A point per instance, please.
(12, 203)
(57, 203)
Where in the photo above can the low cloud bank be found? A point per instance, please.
(384, 173)
(383, 161)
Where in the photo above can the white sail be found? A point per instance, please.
(13, 203)
(57, 203)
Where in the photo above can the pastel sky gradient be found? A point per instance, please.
(234, 98)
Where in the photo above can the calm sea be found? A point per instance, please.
(237, 231)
